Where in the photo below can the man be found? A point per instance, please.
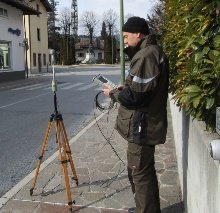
(142, 115)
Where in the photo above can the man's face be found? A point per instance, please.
(131, 39)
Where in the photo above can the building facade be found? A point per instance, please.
(36, 35)
(82, 47)
(12, 44)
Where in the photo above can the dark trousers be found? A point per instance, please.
(143, 179)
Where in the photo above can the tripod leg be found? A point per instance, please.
(43, 147)
(68, 151)
(64, 162)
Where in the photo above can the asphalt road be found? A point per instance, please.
(25, 111)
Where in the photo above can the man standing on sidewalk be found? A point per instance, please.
(142, 115)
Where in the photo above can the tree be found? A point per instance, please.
(103, 32)
(67, 49)
(89, 22)
(64, 21)
(53, 33)
(156, 20)
(52, 20)
(127, 16)
(111, 20)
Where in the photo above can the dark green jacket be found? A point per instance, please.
(142, 115)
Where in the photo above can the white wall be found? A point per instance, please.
(14, 21)
(85, 51)
(199, 173)
(97, 52)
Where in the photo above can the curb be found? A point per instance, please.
(8, 195)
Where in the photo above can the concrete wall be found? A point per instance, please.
(199, 173)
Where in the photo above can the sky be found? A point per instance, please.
(136, 7)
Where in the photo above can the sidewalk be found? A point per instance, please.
(103, 184)
(24, 82)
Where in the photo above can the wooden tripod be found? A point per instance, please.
(64, 152)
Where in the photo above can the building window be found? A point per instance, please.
(6, 13)
(34, 60)
(50, 59)
(81, 55)
(38, 15)
(5, 62)
(38, 34)
(3, 12)
(39, 62)
(44, 59)
(99, 56)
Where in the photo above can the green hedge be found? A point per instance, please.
(191, 38)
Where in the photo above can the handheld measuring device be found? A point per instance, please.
(100, 80)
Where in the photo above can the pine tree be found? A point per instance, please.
(53, 33)
(103, 32)
(108, 50)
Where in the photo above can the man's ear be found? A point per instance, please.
(140, 35)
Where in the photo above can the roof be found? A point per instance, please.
(47, 5)
(22, 5)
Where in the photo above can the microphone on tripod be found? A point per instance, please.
(54, 82)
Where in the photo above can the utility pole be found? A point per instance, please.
(74, 21)
(74, 17)
(122, 59)
(68, 45)
(112, 45)
(26, 47)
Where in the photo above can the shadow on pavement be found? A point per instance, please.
(175, 208)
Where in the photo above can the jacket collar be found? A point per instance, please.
(146, 41)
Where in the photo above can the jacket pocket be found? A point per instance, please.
(124, 122)
(140, 126)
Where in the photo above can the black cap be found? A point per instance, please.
(136, 24)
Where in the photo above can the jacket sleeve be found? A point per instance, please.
(144, 73)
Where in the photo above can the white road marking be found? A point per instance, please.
(27, 99)
(25, 87)
(39, 87)
(86, 87)
(71, 86)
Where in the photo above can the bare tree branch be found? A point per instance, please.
(89, 22)
(111, 20)
(65, 20)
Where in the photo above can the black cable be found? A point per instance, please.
(108, 108)
(108, 138)
(101, 107)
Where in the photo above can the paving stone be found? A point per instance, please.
(53, 183)
(103, 183)
(167, 191)
(159, 165)
(83, 179)
(110, 203)
(169, 177)
(93, 196)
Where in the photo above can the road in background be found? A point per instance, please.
(25, 109)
